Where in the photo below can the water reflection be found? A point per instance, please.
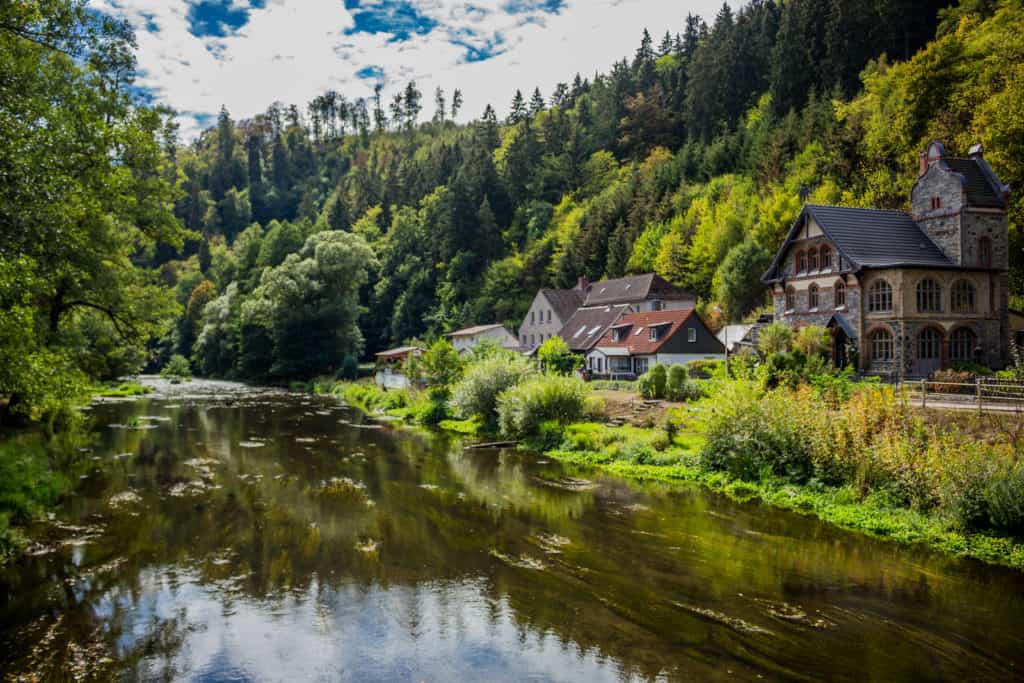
(231, 534)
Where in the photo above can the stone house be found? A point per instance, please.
(905, 294)
(636, 341)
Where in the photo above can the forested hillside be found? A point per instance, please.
(343, 226)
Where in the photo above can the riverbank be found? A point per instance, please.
(677, 451)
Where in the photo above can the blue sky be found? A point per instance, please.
(196, 55)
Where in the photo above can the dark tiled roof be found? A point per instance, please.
(980, 190)
(637, 325)
(564, 301)
(587, 325)
(875, 238)
(632, 289)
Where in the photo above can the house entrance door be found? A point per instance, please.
(929, 351)
(839, 340)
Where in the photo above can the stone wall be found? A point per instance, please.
(942, 224)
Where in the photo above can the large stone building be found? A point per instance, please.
(906, 294)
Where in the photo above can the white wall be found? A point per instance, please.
(684, 358)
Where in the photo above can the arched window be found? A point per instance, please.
(962, 344)
(880, 297)
(962, 297)
(812, 297)
(812, 259)
(840, 294)
(801, 262)
(881, 345)
(790, 299)
(826, 258)
(985, 252)
(929, 296)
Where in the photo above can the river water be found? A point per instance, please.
(221, 533)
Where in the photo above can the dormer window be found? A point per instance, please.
(654, 334)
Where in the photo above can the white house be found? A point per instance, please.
(466, 340)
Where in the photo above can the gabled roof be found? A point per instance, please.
(637, 339)
(563, 301)
(868, 238)
(587, 325)
(633, 289)
(470, 331)
(399, 352)
(734, 334)
(978, 184)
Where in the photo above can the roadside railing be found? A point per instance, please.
(984, 393)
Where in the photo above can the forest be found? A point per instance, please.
(273, 247)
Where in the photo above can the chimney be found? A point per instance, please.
(976, 151)
(582, 284)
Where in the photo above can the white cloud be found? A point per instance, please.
(291, 50)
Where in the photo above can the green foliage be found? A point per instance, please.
(441, 365)
(177, 367)
(775, 338)
(349, 368)
(813, 340)
(1005, 499)
(28, 487)
(476, 394)
(652, 383)
(679, 386)
(525, 407)
(554, 356)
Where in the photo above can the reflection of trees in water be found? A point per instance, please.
(270, 539)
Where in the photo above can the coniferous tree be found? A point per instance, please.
(517, 112)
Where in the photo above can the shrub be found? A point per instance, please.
(678, 386)
(813, 340)
(476, 394)
(430, 407)
(652, 383)
(594, 408)
(775, 338)
(177, 367)
(1005, 499)
(614, 385)
(704, 368)
(349, 369)
(523, 408)
(441, 364)
(749, 433)
(554, 356)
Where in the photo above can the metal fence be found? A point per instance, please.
(984, 393)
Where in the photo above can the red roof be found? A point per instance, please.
(638, 338)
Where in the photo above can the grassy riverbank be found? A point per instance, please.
(852, 454)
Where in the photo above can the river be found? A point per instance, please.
(224, 533)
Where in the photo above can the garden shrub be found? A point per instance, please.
(177, 367)
(678, 386)
(704, 368)
(594, 408)
(523, 408)
(476, 394)
(1005, 499)
(349, 370)
(652, 383)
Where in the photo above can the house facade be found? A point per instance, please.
(905, 294)
(467, 339)
(390, 373)
(637, 341)
(552, 310)
(548, 313)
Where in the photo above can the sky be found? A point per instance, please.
(197, 55)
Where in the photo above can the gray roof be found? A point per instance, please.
(632, 289)
(876, 238)
(869, 238)
(587, 325)
(563, 301)
(977, 183)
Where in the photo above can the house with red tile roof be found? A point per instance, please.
(637, 341)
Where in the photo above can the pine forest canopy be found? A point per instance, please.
(273, 247)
